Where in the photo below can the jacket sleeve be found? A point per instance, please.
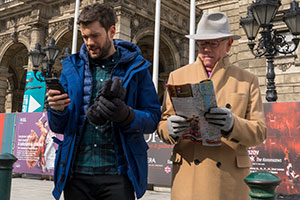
(251, 130)
(167, 110)
(57, 119)
(147, 109)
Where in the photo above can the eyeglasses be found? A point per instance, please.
(213, 44)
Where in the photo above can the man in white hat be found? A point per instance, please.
(215, 172)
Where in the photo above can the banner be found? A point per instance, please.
(280, 152)
(29, 138)
(34, 146)
(159, 165)
(34, 95)
(7, 126)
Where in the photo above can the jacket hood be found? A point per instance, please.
(128, 50)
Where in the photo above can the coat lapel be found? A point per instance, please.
(198, 72)
(218, 75)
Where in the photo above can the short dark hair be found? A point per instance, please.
(102, 13)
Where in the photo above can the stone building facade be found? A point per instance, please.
(23, 23)
(287, 67)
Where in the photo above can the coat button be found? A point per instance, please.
(197, 162)
(219, 164)
(228, 106)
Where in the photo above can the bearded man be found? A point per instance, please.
(109, 104)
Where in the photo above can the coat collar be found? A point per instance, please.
(217, 71)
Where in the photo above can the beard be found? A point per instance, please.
(103, 51)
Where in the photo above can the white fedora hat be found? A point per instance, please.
(213, 26)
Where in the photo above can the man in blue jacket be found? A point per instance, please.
(110, 102)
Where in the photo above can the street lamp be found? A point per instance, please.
(66, 53)
(260, 16)
(44, 58)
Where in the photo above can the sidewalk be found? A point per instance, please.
(36, 189)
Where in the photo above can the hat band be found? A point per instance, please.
(202, 32)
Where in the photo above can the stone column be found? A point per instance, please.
(37, 36)
(4, 75)
(123, 30)
(184, 53)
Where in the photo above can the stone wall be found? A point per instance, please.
(287, 68)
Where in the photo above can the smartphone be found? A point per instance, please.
(54, 84)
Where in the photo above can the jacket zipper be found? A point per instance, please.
(126, 77)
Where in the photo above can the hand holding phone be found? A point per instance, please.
(54, 84)
(55, 100)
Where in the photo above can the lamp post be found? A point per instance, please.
(44, 58)
(260, 16)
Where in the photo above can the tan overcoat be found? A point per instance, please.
(217, 173)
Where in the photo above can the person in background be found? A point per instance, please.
(215, 172)
(109, 104)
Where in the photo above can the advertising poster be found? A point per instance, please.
(34, 146)
(280, 153)
(7, 126)
(34, 94)
(159, 165)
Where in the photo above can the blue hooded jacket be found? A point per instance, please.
(141, 96)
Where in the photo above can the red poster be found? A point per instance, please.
(280, 153)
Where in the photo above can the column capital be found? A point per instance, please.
(25, 67)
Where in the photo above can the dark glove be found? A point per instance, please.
(116, 110)
(94, 116)
(221, 118)
(113, 89)
(105, 90)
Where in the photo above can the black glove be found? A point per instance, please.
(105, 90)
(113, 89)
(94, 116)
(115, 110)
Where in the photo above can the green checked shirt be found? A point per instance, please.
(96, 153)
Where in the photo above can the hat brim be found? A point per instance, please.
(212, 36)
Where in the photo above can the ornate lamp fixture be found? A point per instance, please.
(66, 53)
(44, 58)
(261, 15)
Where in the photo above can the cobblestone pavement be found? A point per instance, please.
(37, 189)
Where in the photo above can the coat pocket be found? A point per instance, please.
(243, 161)
(137, 157)
(137, 144)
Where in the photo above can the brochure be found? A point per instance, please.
(193, 101)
